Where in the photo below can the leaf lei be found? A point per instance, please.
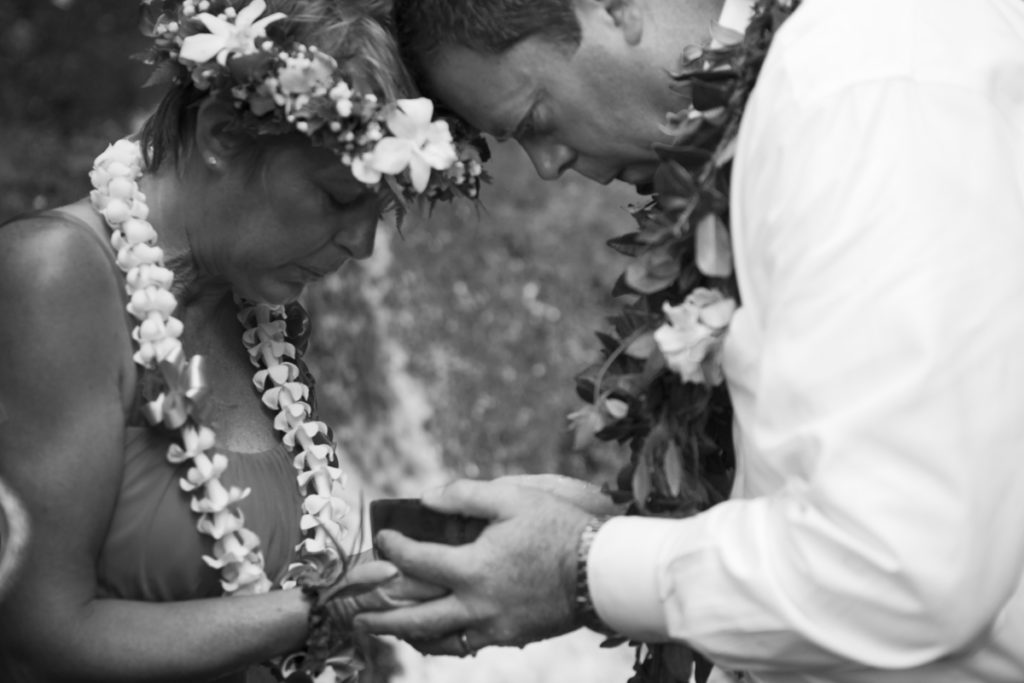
(678, 428)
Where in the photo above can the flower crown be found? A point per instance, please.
(280, 85)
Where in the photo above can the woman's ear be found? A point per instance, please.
(215, 141)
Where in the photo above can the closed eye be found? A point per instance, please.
(342, 199)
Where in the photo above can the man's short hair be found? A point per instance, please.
(484, 26)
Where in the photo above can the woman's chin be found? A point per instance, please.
(273, 293)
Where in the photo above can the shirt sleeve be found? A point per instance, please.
(889, 393)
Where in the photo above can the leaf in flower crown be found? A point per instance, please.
(165, 72)
(250, 67)
(149, 12)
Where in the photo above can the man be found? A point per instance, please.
(874, 534)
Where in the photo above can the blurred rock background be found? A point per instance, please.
(451, 352)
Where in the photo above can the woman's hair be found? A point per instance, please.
(354, 32)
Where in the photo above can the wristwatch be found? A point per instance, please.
(586, 615)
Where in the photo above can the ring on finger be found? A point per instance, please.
(467, 650)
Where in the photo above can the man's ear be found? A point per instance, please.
(628, 16)
(215, 142)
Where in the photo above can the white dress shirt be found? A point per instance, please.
(876, 367)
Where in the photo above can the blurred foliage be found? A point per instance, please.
(67, 87)
(487, 311)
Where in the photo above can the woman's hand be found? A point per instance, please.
(370, 586)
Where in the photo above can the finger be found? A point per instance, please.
(488, 500)
(426, 621)
(408, 590)
(558, 484)
(453, 644)
(373, 571)
(434, 563)
(580, 493)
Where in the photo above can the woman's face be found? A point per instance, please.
(295, 217)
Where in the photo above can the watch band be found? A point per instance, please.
(586, 615)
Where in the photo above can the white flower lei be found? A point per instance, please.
(236, 549)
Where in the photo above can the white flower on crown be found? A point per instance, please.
(228, 36)
(341, 95)
(417, 143)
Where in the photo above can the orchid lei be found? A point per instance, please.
(279, 85)
(659, 384)
(180, 387)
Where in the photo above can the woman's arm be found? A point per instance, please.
(65, 382)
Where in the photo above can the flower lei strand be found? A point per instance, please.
(685, 293)
(180, 388)
(279, 85)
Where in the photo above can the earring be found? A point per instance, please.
(212, 161)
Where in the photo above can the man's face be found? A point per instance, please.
(596, 109)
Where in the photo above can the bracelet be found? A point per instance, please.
(586, 615)
(318, 637)
(326, 645)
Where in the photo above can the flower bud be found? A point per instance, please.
(116, 211)
(121, 187)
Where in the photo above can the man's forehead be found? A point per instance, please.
(487, 90)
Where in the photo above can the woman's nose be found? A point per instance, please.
(357, 236)
(550, 159)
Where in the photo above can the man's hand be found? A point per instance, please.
(515, 584)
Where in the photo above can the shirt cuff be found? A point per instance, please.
(622, 575)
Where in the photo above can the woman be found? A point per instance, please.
(156, 479)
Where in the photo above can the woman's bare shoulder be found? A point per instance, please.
(60, 301)
(50, 246)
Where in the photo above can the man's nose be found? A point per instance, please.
(550, 159)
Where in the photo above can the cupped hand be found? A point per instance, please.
(515, 584)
